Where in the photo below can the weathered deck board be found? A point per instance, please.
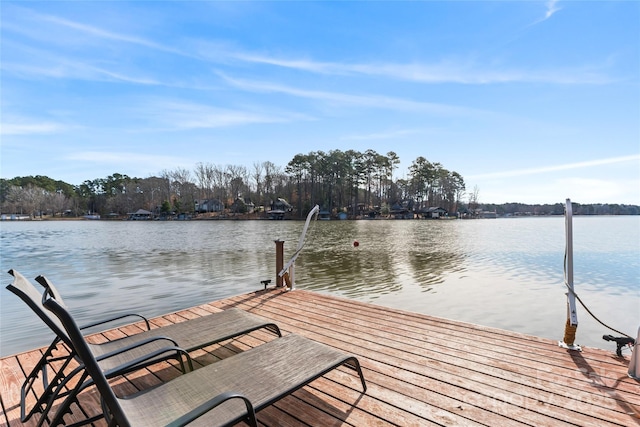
(420, 370)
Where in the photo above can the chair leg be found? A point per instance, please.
(52, 391)
(354, 364)
(70, 397)
(41, 369)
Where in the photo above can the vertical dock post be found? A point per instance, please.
(634, 363)
(279, 261)
(571, 325)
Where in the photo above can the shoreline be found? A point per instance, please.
(253, 217)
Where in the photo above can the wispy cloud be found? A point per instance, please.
(179, 115)
(11, 126)
(83, 51)
(42, 63)
(458, 70)
(298, 64)
(370, 101)
(462, 71)
(552, 7)
(468, 71)
(555, 168)
(63, 69)
(126, 78)
(108, 35)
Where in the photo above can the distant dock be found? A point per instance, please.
(420, 370)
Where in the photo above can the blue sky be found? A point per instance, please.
(530, 101)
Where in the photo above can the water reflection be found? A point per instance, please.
(389, 255)
(431, 268)
(348, 271)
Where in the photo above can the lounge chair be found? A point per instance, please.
(123, 355)
(219, 394)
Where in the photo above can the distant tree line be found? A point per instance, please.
(522, 209)
(349, 181)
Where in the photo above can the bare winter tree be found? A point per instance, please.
(166, 191)
(12, 199)
(57, 202)
(220, 183)
(154, 192)
(258, 170)
(205, 176)
(238, 177)
(474, 200)
(184, 190)
(24, 200)
(270, 172)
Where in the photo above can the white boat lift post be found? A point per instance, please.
(288, 271)
(572, 314)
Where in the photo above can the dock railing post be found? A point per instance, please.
(634, 363)
(571, 325)
(279, 261)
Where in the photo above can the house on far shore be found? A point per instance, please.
(14, 217)
(280, 204)
(275, 214)
(242, 205)
(278, 209)
(140, 215)
(209, 205)
(433, 213)
(401, 211)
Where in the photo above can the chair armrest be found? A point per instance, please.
(102, 322)
(136, 363)
(129, 366)
(211, 404)
(136, 345)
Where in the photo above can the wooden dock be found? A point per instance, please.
(420, 370)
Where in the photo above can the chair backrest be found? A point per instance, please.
(85, 355)
(28, 293)
(46, 283)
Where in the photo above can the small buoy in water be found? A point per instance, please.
(356, 243)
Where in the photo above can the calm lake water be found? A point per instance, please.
(506, 273)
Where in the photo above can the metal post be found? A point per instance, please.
(279, 261)
(634, 363)
(572, 315)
